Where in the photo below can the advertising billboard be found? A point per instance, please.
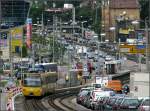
(29, 32)
(16, 38)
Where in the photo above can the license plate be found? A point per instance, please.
(132, 106)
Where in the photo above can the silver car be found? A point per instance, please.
(145, 105)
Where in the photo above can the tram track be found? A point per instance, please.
(34, 104)
(49, 103)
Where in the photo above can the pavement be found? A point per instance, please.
(3, 101)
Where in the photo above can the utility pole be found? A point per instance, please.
(73, 23)
(147, 48)
(54, 27)
(42, 30)
(53, 35)
(10, 53)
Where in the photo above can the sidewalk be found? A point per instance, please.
(3, 98)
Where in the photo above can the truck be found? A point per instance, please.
(116, 85)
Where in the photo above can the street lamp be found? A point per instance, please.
(146, 35)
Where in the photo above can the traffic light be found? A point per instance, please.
(126, 89)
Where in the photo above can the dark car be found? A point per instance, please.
(129, 104)
(116, 105)
(110, 103)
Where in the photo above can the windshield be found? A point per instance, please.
(97, 85)
(131, 102)
(146, 102)
(119, 101)
(31, 81)
(83, 93)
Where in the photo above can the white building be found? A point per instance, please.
(139, 84)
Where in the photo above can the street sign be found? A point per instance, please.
(141, 46)
(132, 49)
(125, 50)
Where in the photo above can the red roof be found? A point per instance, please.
(121, 4)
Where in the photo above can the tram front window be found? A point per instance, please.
(32, 82)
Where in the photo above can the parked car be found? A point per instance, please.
(99, 93)
(129, 104)
(145, 105)
(116, 104)
(110, 103)
(108, 58)
(81, 96)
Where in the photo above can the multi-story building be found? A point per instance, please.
(119, 14)
(13, 11)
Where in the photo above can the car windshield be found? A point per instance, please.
(130, 102)
(83, 93)
(97, 85)
(119, 101)
(112, 100)
(146, 102)
(30, 81)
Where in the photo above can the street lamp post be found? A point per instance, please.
(82, 33)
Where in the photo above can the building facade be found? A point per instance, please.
(139, 84)
(119, 14)
(13, 11)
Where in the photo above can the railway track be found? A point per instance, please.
(53, 102)
(32, 104)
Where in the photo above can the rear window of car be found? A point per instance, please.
(146, 102)
(130, 102)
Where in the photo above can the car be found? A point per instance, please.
(108, 58)
(110, 103)
(129, 104)
(88, 88)
(81, 96)
(97, 85)
(145, 105)
(99, 93)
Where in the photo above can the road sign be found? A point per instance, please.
(125, 50)
(132, 49)
(141, 46)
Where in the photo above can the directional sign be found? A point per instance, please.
(141, 46)
(132, 49)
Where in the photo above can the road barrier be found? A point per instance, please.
(12, 93)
